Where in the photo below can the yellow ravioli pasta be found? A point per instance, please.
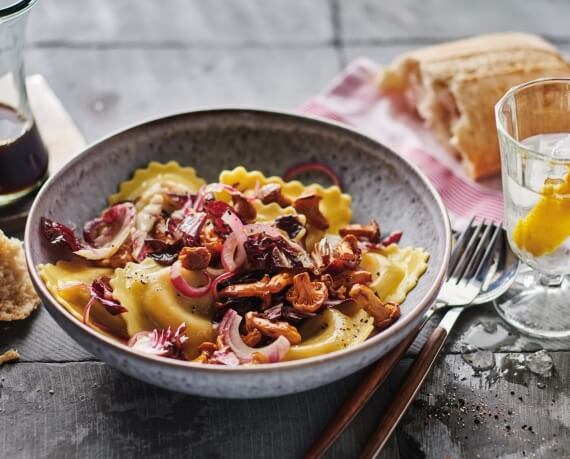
(395, 271)
(331, 331)
(68, 282)
(158, 178)
(153, 302)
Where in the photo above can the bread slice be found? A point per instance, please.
(17, 296)
(455, 86)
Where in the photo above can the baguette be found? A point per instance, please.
(455, 86)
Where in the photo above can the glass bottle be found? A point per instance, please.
(23, 156)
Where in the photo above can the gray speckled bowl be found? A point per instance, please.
(381, 183)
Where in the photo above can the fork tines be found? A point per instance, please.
(473, 252)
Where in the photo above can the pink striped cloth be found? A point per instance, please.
(353, 98)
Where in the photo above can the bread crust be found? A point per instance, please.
(455, 86)
(18, 298)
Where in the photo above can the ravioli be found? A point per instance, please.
(68, 282)
(395, 271)
(157, 178)
(335, 205)
(270, 212)
(331, 331)
(152, 302)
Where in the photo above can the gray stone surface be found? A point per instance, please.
(107, 90)
(196, 23)
(413, 21)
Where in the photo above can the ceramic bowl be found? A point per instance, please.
(382, 184)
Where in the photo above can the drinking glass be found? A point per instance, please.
(23, 156)
(533, 124)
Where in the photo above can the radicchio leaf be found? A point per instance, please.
(189, 228)
(101, 230)
(59, 234)
(392, 238)
(270, 254)
(161, 342)
(283, 312)
(290, 224)
(163, 253)
(100, 290)
(215, 210)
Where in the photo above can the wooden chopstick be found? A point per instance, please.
(354, 403)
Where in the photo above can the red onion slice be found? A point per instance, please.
(298, 169)
(219, 279)
(274, 352)
(126, 213)
(232, 259)
(184, 287)
(215, 272)
(233, 221)
(237, 227)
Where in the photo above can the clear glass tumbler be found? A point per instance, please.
(533, 123)
(23, 156)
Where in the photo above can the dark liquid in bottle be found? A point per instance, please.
(23, 156)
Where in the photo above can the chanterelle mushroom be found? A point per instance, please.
(261, 289)
(244, 208)
(370, 232)
(210, 239)
(349, 278)
(272, 193)
(308, 205)
(348, 252)
(307, 296)
(271, 329)
(195, 257)
(384, 314)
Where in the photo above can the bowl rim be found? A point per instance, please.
(384, 335)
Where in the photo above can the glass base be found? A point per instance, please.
(6, 200)
(536, 305)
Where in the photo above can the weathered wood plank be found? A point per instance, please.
(462, 415)
(418, 21)
(181, 22)
(90, 410)
(101, 413)
(107, 90)
(40, 339)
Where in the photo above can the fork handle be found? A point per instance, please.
(409, 388)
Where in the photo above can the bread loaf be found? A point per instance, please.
(454, 87)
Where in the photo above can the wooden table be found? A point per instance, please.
(115, 62)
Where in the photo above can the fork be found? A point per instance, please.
(459, 289)
(468, 273)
